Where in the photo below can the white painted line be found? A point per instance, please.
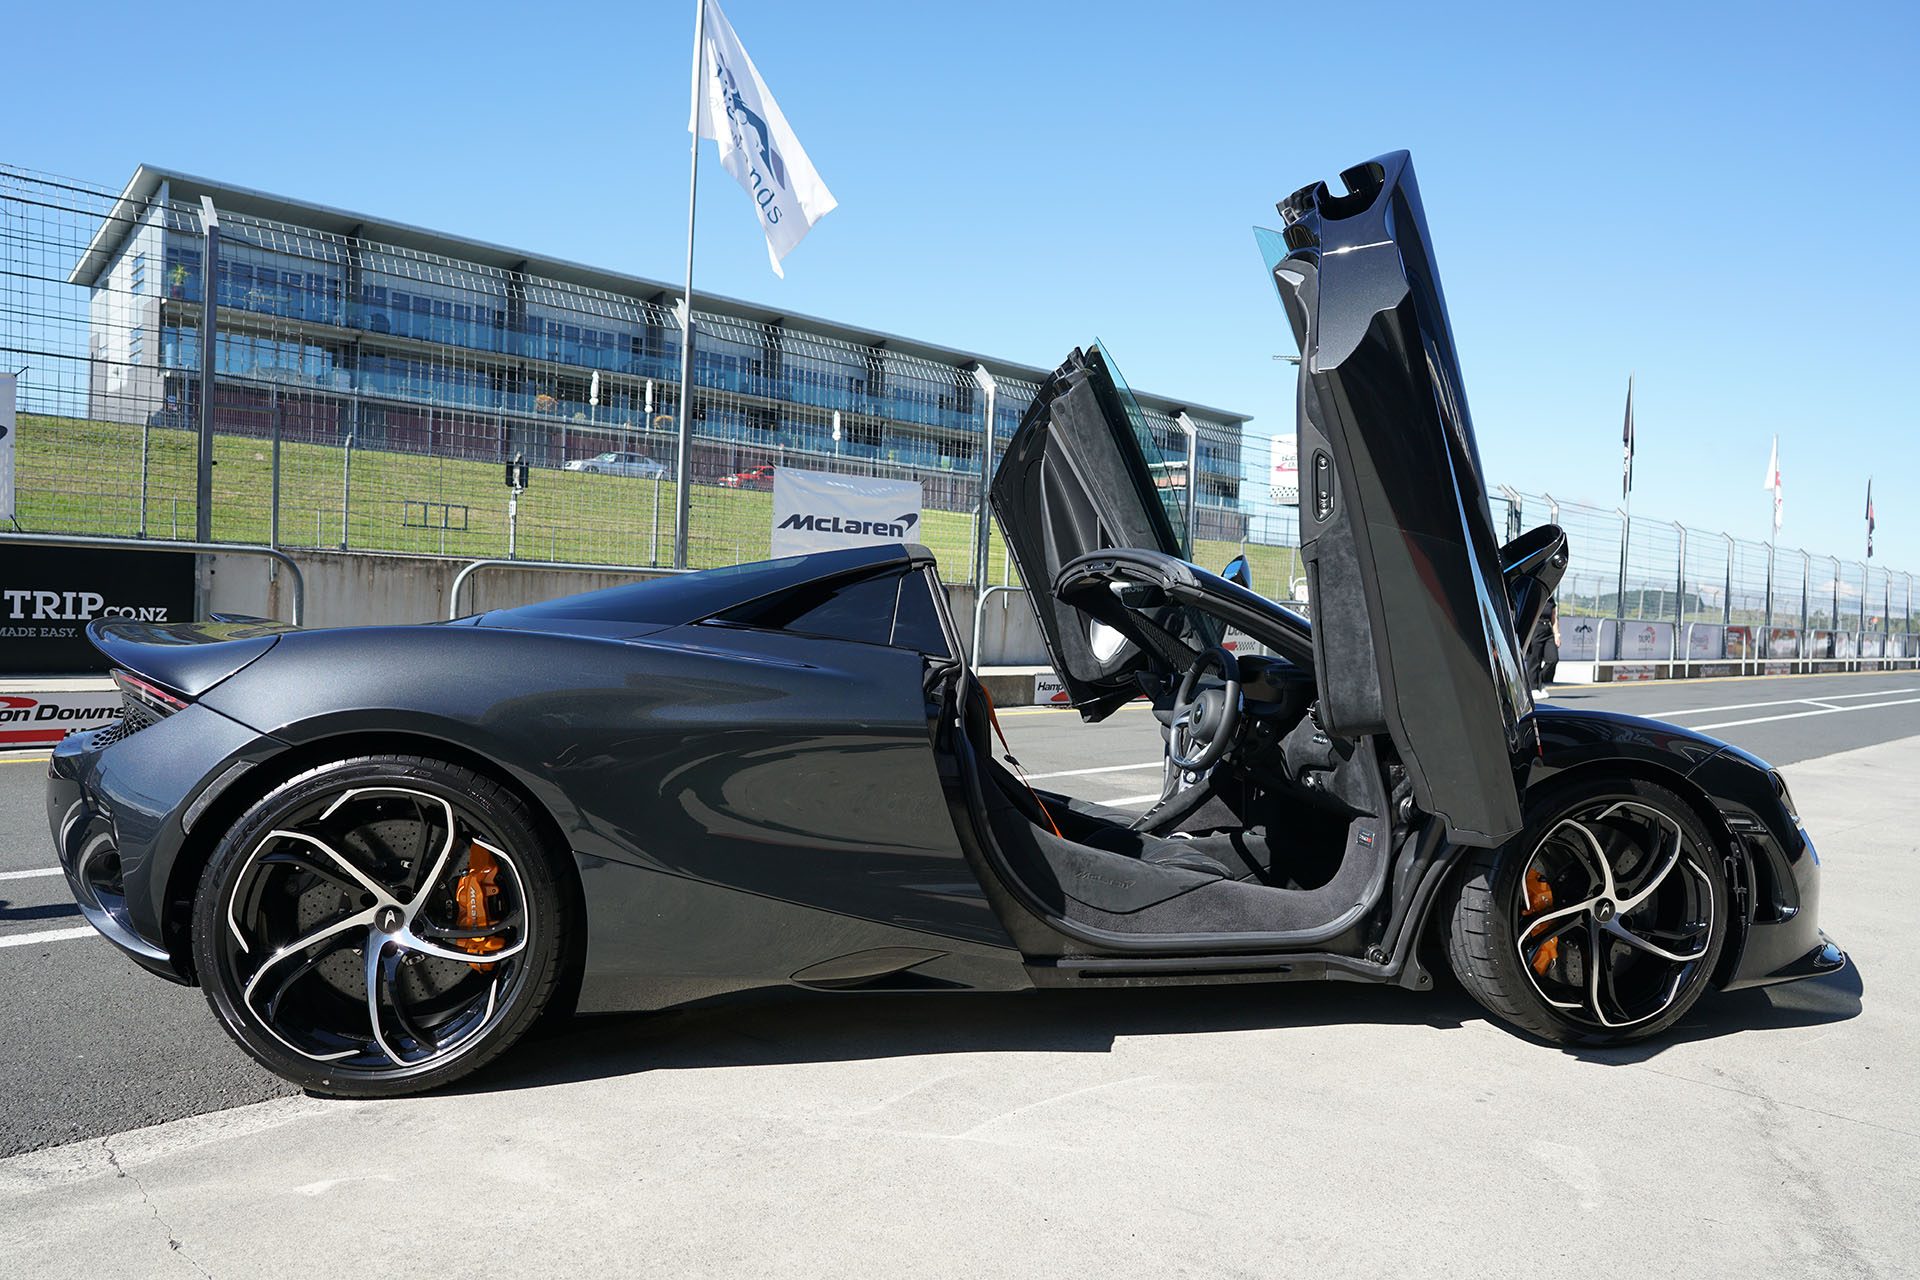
(1798, 715)
(29, 875)
(1148, 798)
(48, 935)
(1781, 702)
(1105, 768)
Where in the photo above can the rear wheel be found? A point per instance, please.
(380, 925)
(1601, 922)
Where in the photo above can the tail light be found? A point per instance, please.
(142, 703)
(1786, 796)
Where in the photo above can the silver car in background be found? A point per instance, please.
(619, 464)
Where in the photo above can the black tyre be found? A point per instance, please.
(1600, 923)
(380, 925)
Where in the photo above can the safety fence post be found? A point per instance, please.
(1806, 607)
(1620, 591)
(983, 509)
(209, 366)
(1680, 582)
(1726, 596)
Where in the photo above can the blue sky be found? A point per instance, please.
(1715, 200)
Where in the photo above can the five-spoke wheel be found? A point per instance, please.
(379, 925)
(1602, 921)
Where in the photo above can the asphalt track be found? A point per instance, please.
(1782, 719)
(91, 1047)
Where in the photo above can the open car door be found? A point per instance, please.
(1083, 474)
(1413, 633)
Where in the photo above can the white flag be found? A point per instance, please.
(756, 145)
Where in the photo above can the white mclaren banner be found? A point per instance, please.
(8, 385)
(817, 511)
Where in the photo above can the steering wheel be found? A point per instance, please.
(1204, 722)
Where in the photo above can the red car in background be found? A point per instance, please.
(751, 478)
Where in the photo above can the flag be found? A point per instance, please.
(1773, 482)
(756, 145)
(1869, 517)
(1626, 445)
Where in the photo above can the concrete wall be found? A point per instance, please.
(351, 588)
(1008, 633)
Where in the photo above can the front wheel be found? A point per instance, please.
(1600, 923)
(380, 925)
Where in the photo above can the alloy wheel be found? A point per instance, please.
(1615, 914)
(377, 929)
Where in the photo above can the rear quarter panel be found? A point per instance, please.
(793, 769)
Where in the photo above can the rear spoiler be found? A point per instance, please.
(187, 657)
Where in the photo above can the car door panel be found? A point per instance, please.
(1075, 480)
(1413, 629)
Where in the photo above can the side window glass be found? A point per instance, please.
(860, 611)
(917, 624)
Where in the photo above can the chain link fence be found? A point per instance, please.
(368, 396)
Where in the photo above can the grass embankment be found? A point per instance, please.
(84, 476)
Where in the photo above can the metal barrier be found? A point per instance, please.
(299, 601)
(1703, 648)
(979, 618)
(460, 579)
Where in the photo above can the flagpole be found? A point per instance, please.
(683, 468)
(1626, 521)
(1773, 532)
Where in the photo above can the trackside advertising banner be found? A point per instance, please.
(817, 511)
(48, 595)
(37, 719)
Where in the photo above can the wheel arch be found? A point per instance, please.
(1639, 769)
(219, 816)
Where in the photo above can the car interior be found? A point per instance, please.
(1281, 832)
(1268, 832)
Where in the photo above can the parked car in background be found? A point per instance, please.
(619, 464)
(751, 478)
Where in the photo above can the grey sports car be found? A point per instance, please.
(384, 851)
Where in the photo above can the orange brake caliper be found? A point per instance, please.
(470, 896)
(1540, 898)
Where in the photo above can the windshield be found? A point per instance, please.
(1170, 479)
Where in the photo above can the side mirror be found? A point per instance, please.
(1239, 572)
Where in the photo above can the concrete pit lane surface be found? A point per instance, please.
(1255, 1131)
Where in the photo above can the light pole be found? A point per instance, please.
(1192, 431)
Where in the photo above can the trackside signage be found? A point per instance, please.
(48, 595)
(41, 718)
(818, 511)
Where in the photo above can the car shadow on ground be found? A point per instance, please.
(43, 911)
(1810, 1003)
(788, 1026)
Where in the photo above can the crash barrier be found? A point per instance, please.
(1652, 650)
(458, 589)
